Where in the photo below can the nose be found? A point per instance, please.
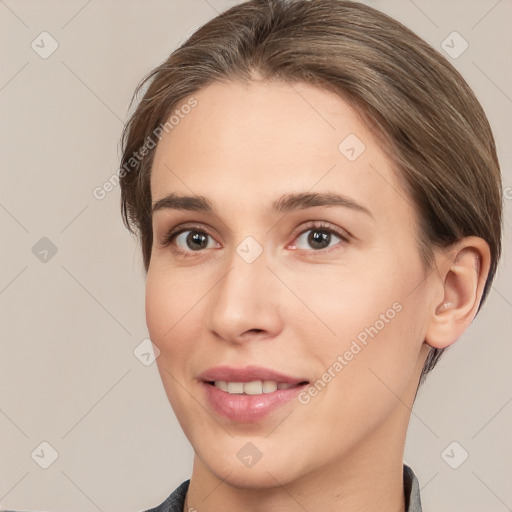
(246, 302)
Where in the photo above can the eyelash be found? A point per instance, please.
(308, 226)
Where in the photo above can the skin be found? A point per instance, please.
(296, 307)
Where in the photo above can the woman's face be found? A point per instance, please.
(299, 263)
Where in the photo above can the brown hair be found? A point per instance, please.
(433, 127)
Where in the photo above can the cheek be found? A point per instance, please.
(170, 308)
(371, 319)
(158, 305)
(358, 301)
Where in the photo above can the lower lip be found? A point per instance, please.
(248, 408)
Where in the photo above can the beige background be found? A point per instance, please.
(69, 326)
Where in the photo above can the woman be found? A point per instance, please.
(318, 200)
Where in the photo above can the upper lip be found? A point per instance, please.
(247, 374)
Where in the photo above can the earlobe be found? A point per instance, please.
(463, 281)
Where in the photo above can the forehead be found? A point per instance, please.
(263, 139)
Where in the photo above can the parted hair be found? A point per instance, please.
(428, 120)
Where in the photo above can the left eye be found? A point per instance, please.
(317, 239)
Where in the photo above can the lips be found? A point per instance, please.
(248, 394)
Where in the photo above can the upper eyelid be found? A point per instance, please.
(177, 230)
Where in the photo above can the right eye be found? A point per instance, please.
(194, 240)
(187, 241)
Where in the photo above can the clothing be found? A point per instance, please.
(176, 501)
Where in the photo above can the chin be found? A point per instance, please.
(256, 478)
(233, 465)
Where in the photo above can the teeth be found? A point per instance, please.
(255, 387)
(236, 388)
(222, 384)
(269, 386)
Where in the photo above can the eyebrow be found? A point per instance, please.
(285, 204)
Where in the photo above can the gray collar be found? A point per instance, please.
(411, 491)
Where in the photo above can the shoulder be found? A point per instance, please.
(175, 502)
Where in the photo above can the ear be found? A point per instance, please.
(463, 278)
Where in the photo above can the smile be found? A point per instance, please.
(249, 393)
